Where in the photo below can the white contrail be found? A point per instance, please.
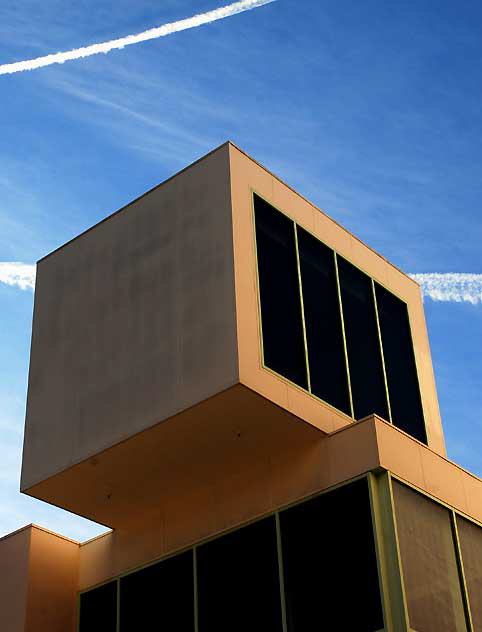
(159, 31)
(18, 274)
(451, 286)
(456, 287)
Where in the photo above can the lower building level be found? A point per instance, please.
(363, 530)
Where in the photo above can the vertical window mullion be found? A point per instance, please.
(380, 343)
(300, 286)
(118, 622)
(281, 574)
(345, 350)
(460, 564)
(388, 554)
(195, 587)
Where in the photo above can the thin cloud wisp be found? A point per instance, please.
(456, 287)
(21, 275)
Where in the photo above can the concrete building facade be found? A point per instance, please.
(243, 392)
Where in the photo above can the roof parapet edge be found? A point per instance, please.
(320, 211)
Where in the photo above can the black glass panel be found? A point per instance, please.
(238, 581)
(323, 322)
(364, 357)
(470, 536)
(159, 597)
(330, 568)
(98, 609)
(279, 293)
(403, 388)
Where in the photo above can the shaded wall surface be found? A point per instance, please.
(134, 321)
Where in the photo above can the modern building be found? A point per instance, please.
(243, 391)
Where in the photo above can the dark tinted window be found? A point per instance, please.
(429, 563)
(323, 322)
(470, 537)
(283, 344)
(159, 597)
(98, 609)
(364, 355)
(330, 568)
(238, 581)
(403, 389)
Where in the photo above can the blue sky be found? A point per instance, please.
(371, 110)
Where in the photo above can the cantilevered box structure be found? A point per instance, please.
(242, 390)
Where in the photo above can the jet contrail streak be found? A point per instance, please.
(451, 286)
(159, 31)
(455, 287)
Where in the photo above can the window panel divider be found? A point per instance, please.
(118, 622)
(258, 286)
(196, 600)
(389, 562)
(279, 547)
(77, 626)
(302, 305)
(345, 348)
(382, 355)
(460, 565)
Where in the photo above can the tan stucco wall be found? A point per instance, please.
(134, 320)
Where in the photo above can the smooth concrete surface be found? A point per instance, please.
(432, 473)
(38, 581)
(248, 176)
(229, 434)
(134, 321)
(246, 478)
(256, 483)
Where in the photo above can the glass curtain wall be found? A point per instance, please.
(329, 562)
(311, 566)
(288, 572)
(238, 580)
(159, 596)
(98, 609)
(330, 329)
